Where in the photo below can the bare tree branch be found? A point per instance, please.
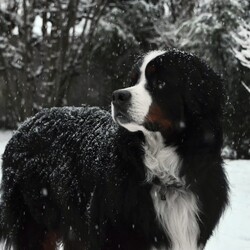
(246, 87)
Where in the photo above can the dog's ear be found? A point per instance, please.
(203, 89)
(203, 101)
(193, 96)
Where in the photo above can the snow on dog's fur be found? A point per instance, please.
(149, 176)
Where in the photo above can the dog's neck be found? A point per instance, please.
(162, 162)
(175, 205)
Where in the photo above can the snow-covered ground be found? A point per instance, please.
(234, 229)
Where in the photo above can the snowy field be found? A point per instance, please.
(234, 229)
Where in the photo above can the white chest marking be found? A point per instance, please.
(179, 212)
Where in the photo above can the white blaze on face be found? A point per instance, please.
(141, 99)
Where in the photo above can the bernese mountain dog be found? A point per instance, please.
(148, 176)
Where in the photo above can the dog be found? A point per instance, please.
(148, 176)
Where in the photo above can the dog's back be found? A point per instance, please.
(53, 159)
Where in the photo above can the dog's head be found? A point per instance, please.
(171, 91)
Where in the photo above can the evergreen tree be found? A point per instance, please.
(210, 33)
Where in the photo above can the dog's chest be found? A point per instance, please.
(177, 211)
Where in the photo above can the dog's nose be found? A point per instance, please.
(121, 96)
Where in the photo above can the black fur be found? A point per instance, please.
(73, 173)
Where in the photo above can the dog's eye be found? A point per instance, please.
(150, 70)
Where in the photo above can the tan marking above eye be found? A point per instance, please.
(50, 241)
(150, 69)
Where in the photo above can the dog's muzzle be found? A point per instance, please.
(121, 101)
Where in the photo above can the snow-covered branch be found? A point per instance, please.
(242, 49)
(246, 87)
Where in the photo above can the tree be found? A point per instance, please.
(43, 47)
(212, 33)
(242, 38)
(69, 52)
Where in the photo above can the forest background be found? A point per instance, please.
(74, 52)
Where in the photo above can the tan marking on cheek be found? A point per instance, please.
(155, 115)
(50, 241)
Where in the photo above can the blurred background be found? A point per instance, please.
(72, 52)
